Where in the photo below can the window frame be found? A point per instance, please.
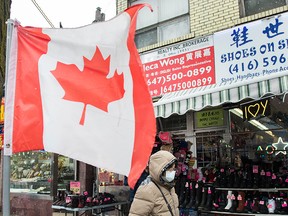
(161, 24)
(243, 12)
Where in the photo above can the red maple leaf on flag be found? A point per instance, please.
(90, 86)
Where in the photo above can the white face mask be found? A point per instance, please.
(170, 176)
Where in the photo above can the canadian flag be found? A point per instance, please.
(81, 93)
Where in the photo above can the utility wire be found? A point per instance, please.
(42, 13)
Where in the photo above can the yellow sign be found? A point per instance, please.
(2, 110)
(256, 108)
(1, 141)
(211, 118)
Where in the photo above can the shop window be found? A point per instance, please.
(261, 135)
(146, 38)
(210, 148)
(250, 7)
(169, 19)
(31, 172)
(173, 123)
(66, 171)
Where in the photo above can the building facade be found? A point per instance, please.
(216, 71)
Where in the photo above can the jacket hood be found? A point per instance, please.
(158, 164)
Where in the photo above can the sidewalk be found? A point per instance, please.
(68, 214)
(54, 214)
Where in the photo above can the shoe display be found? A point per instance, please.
(241, 201)
(229, 201)
(248, 203)
(268, 179)
(237, 179)
(271, 205)
(278, 205)
(186, 195)
(237, 190)
(182, 189)
(192, 192)
(255, 204)
(222, 200)
(263, 203)
(204, 196)
(230, 177)
(209, 200)
(234, 202)
(216, 200)
(262, 179)
(199, 187)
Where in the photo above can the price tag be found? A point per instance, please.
(255, 169)
(68, 199)
(209, 191)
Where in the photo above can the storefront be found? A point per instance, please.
(44, 179)
(226, 94)
(223, 99)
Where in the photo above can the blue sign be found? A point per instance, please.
(252, 52)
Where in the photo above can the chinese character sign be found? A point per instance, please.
(211, 118)
(252, 52)
(181, 66)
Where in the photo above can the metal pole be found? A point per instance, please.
(6, 185)
(6, 158)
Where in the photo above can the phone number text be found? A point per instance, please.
(179, 76)
(186, 85)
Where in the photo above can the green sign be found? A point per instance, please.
(211, 118)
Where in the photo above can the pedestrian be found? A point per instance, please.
(157, 196)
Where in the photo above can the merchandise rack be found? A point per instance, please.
(117, 205)
(254, 189)
(234, 213)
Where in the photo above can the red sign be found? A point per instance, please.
(179, 72)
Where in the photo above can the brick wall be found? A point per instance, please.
(210, 16)
(30, 205)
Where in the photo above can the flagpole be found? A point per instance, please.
(6, 185)
(6, 158)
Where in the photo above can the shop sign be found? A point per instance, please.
(211, 118)
(1, 136)
(75, 187)
(2, 110)
(256, 109)
(181, 66)
(252, 52)
(1, 140)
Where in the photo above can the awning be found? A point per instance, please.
(199, 98)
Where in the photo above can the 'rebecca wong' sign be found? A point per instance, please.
(252, 52)
(181, 66)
